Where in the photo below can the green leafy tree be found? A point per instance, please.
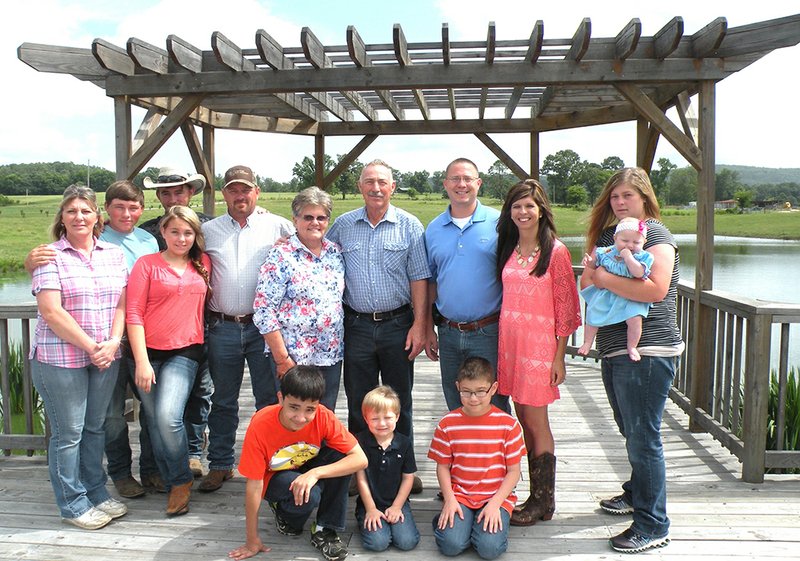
(577, 197)
(612, 163)
(593, 178)
(497, 181)
(347, 182)
(727, 184)
(744, 198)
(562, 169)
(304, 171)
(437, 181)
(659, 176)
(418, 180)
(682, 185)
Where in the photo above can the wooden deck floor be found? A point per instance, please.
(714, 514)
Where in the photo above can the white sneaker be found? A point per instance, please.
(92, 519)
(113, 507)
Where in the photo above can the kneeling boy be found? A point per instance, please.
(287, 464)
(477, 449)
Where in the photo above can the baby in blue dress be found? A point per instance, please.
(626, 258)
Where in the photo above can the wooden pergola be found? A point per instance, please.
(532, 85)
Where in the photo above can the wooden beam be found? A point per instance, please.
(667, 39)
(349, 158)
(196, 151)
(209, 155)
(451, 97)
(319, 160)
(491, 45)
(314, 52)
(81, 63)
(542, 102)
(146, 128)
(628, 39)
(580, 41)
(112, 58)
(404, 60)
(531, 55)
(708, 39)
(156, 140)
(686, 115)
(184, 54)
(122, 136)
(646, 143)
(535, 156)
(515, 168)
(271, 52)
(648, 109)
(764, 36)
(358, 54)
(148, 57)
(545, 73)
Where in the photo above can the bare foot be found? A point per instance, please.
(634, 354)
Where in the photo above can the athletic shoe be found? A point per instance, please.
(328, 542)
(616, 505)
(112, 507)
(280, 523)
(631, 542)
(92, 519)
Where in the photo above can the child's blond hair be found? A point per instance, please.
(380, 399)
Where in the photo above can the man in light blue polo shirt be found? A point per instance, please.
(462, 255)
(385, 296)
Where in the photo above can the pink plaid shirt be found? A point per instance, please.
(90, 291)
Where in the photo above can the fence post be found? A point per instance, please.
(756, 398)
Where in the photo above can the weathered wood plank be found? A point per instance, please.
(763, 36)
(531, 55)
(708, 39)
(112, 58)
(148, 57)
(358, 54)
(229, 54)
(348, 159)
(62, 60)
(184, 54)
(503, 156)
(628, 39)
(667, 39)
(404, 60)
(580, 41)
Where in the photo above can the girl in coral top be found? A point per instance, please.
(540, 311)
(167, 296)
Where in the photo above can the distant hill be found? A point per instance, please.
(752, 175)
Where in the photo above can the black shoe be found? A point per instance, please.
(328, 542)
(631, 542)
(283, 527)
(616, 505)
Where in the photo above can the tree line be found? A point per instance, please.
(568, 179)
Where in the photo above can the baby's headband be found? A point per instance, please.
(638, 226)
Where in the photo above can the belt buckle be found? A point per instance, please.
(375, 316)
(238, 319)
(461, 326)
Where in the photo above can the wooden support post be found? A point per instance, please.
(209, 207)
(319, 160)
(535, 167)
(122, 135)
(756, 397)
(703, 364)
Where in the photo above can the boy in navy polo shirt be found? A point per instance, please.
(383, 511)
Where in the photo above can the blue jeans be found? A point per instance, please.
(76, 400)
(229, 345)
(195, 417)
(164, 406)
(455, 347)
(470, 532)
(328, 496)
(403, 535)
(118, 448)
(332, 375)
(372, 348)
(637, 392)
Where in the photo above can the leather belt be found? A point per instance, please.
(472, 325)
(379, 316)
(247, 318)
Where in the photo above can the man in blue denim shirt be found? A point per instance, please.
(385, 297)
(462, 255)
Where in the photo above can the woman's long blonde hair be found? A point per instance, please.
(602, 216)
(76, 191)
(198, 247)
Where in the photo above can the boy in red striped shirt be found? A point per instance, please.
(477, 449)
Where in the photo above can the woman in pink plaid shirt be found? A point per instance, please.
(74, 357)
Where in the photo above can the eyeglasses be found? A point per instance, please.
(459, 178)
(170, 179)
(319, 218)
(466, 394)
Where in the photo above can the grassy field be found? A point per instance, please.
(25, 225)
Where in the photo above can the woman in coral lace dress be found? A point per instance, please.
(540, 311)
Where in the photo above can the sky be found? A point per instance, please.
(55, 117)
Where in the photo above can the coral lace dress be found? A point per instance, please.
(535, 311)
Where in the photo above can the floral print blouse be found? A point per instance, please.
(300, 294)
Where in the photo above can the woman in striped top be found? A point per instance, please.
(637, 391)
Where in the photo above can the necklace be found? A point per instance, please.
(521, 259)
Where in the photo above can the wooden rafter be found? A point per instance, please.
(451, 97)
(358, 54)
(531, 56)
(404, 60)
(491, 46)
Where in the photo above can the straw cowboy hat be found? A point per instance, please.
(171, 177)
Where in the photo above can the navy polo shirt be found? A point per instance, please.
(385, 468)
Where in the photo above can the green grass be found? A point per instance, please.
(24, 225)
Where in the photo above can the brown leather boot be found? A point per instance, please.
(214, 479)
(178, 500)
(542, 502)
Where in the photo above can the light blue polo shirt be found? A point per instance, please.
(463, 264)
(133, 245)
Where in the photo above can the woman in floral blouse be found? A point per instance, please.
(298, 304)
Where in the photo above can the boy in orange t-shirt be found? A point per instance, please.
(287, 464)
(477, 449)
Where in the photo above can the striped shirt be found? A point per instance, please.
(90, 288)
(380, 261)
(236, 256)
(479, 451)
(660, 327)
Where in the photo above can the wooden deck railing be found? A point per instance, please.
(731, 403)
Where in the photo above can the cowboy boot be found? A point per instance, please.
(541, 503)
(178, 500)
(524, 506)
